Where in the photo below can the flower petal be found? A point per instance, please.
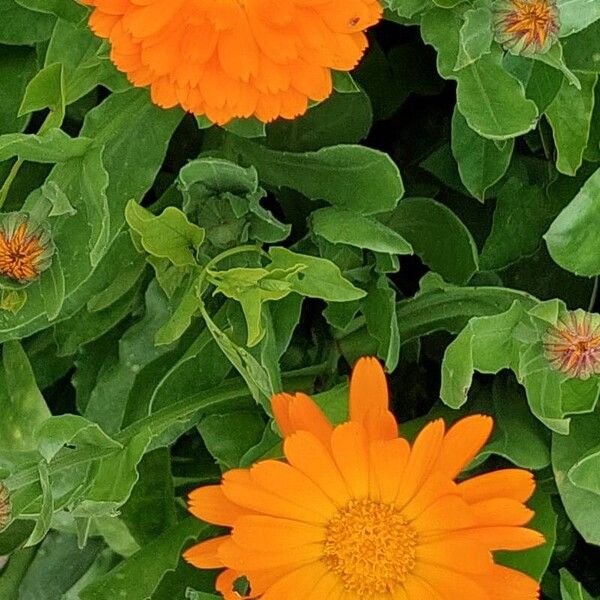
(300, 413)
(209, 504)
(306, 453)
(517, 484)
(463, 442)
(205, 554)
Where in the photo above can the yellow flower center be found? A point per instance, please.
(371, 546)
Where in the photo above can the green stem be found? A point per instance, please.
(594, 296)
(9, 181)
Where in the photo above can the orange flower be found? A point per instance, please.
(235, 58)
(25, 248)
(573, 346)
(527, 26)
(357, 513)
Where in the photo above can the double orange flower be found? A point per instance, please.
(235, 58)
(356, 512)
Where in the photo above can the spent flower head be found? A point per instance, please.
(26, 247)
(572, 346)
(526, 26)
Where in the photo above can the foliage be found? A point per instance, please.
(440, 211)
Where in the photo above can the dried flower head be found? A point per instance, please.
(357, 512)
(26, 248)
(231, 58)
(526, 26)
(573, 345)
(4, 506)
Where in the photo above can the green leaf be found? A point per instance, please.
(46, 90)
(491, 100)
(20, 26)
(379, 309)
(481, 162)
(570, 588)
(52, 147)
(156, 559)
(523, 212)
(52, 288)
(17, 67)
(576, 15)
(570, 116)
(476, 36)
(573, 237)
(111, 482)
(352, 177)
(73, 431)
(42, 523)
(168, 235)
(438, 237)
(345, 227)
(582, 506)
(21, 403)
(585, 472)
(79, 51)
(319, 278)
(69, 11)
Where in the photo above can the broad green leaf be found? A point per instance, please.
(438, 237)
(78, 50)
(17, 67)
(69, 11)
(492, 101)
(573, 237)
(576, 15)
(582, 49)
(582, 506)
(21, 403)
(46, 90)
(73, 431)
(150, 509)
(52, 288)
(20, 26)
(379, 310)
(570, 588)
(42, 523)
(228, 436)
(570, 116)
(320, 278)
(555, 59)
(353, 177)
(111, 482)
(476, 36)
(52, 147)
(341, 119)
(481, 162)
(153, 561)
(541, 81)
(345, 227)
(523, 213)
(168, 235)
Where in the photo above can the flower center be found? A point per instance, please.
(533, 19)
(371, 546)
(19, 254)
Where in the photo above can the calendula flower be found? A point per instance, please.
(4, 506)
(526, 26)
(235, 58)
(573, 345)
(355, 512)
(26, 247)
